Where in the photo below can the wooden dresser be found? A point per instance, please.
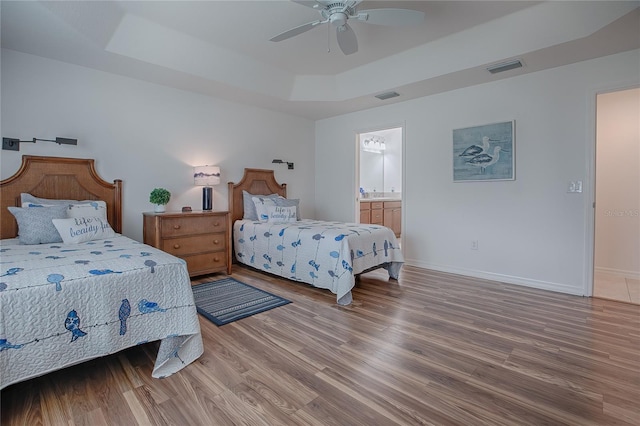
(202, 239)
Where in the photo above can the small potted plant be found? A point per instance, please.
(160, 197)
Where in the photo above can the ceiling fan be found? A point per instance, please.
(338, 13)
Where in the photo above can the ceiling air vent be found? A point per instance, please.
(504, 66)
(387, 95)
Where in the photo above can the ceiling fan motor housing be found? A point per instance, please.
(337, 13)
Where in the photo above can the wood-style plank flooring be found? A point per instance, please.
(433, 348)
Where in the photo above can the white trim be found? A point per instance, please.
(508, 279)
(402, 125)
(618, 272)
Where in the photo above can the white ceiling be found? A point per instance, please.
(222, 48)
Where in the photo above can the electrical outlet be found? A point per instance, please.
(474, 245)
(11, 144)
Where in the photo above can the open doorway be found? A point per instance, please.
(380, 178)
(617, 195)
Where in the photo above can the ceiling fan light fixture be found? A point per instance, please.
(504, 66)
(387, 95)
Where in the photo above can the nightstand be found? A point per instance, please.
(201, 238)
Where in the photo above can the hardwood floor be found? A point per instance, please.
(434, 348)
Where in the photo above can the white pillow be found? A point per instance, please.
(249, 206)
(288, 202)
(77, 208)
(261, 204)
(28, 198)
(76, 230)
(281, 214)
(88, 209)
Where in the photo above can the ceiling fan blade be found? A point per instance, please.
(347, 39)
(394, 17)
(295, 31)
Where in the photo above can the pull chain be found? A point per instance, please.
(329, 38)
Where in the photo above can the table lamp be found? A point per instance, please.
(206, 176)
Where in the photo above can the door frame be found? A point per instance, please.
(395, 125)
(590, 199)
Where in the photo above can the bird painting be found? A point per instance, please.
(12, 271)
(55, 279)
(150, 263)
(5, 344)
(147, 307)
(72, 323)
(474, 150)
(493, 145)
(485, 160)
(123, 314)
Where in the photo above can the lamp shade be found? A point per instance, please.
(206, 175)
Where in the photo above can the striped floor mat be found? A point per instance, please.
(228, 300)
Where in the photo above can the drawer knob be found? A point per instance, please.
(216, 259)
(216, 224)
(176, 246)
(216, 242)
(176, 226)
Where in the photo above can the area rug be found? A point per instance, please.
(228, 300)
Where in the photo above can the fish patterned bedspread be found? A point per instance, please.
(324, 254)
(61, 304)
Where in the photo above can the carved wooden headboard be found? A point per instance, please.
(58, 178)
(254, 181)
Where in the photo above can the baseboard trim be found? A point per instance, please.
(509, 279)
(618, 272)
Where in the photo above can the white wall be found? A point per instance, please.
(617, 214)
(148, 135)
(530, 231)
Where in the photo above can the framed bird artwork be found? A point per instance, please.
(484, 153)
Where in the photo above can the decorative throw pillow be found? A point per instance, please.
(281, 214)
(289, 202)
(249, 207)
(35, 226)
(261, 204)
(76, 230)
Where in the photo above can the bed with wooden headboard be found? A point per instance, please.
(91, 292)
(324, 254)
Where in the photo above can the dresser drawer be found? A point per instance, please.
(206, 262)
(392, 204)
(194, 244)
(376, 205)
(177, 226)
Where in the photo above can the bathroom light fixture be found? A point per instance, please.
(13, 144)
(374, 143)
(278, 161)
(206, 176)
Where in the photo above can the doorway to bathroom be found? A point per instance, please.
(616, 274)
(380, 177)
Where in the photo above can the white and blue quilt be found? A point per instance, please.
(61, 304)
(324, 254)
